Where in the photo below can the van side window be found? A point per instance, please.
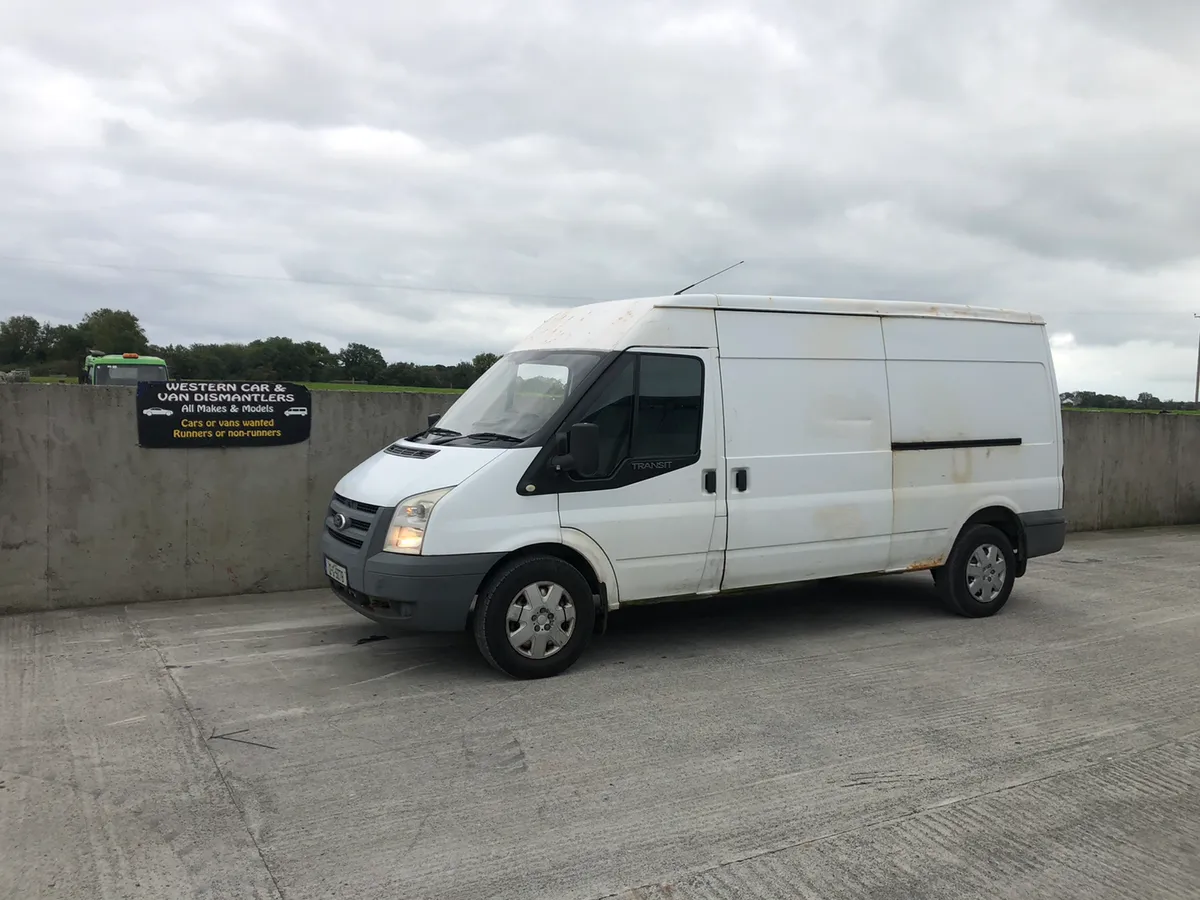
(669, 404)
(650, 408)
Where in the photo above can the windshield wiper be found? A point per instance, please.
(495, 436)
(483, 436)
(433, 429)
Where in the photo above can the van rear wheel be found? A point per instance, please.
(979, 573)
(534, 617)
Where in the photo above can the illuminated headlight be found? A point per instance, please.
(406, 533)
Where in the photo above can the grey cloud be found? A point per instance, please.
(118, 133)
(1132, 203)
(1160, 26)
(1031, 156)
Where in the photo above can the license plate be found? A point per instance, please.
(336, 572)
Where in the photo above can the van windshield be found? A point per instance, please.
(514, 398)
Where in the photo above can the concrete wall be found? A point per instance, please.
(87, 517)
(1128, 470)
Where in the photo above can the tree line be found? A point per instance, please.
(1144, 400)
(46, 349)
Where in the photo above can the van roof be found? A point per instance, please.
(845, 307)
(617, 324)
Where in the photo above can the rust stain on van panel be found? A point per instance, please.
(924, 564)
(962, 466)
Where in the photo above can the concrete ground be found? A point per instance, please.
(847, 740)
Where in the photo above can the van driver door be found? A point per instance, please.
(657, 504)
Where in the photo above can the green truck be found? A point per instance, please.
(122, 368)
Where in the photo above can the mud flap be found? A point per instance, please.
(601, 599)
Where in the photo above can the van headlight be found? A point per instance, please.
(406, 533)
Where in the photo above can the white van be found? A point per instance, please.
(674, 447)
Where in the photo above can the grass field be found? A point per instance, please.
(333, 386)
(311, 385)
(1177, 412)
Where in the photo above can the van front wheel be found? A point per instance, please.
(534, 617)
(979, 573)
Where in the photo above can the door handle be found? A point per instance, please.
(741, 478)
(710, 481)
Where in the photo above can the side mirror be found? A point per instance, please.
(583, 450)
(433, 419)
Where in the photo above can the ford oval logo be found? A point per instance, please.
(340, 521)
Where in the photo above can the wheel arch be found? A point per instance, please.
(596, 570)
(1008, 522)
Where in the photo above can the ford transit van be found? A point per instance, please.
(666, 448)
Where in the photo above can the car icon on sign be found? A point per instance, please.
(295, 411)
(156, 411)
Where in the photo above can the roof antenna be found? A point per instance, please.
(713, 275)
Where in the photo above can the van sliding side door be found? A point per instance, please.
(808, 446)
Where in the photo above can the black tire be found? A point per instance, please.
(953, 581)
(503, 588)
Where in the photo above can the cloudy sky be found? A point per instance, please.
(434, 181)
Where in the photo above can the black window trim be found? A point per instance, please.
(539, 478)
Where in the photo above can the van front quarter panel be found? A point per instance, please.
(485, 514)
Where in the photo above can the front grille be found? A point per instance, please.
(363, 525)
(354, 504)
(411, 452)
(360, 517)
(344, 538)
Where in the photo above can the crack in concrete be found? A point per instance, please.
(145, 643)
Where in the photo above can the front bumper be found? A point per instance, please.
(414, 593)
